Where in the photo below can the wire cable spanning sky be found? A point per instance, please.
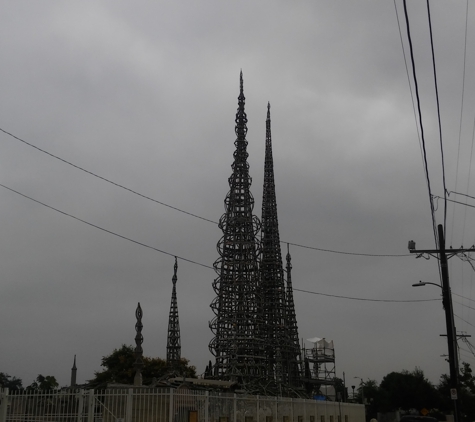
(175, 208)
(186, 259)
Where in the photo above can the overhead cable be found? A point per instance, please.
(105, 230)
(104, 179)
(426, 168)
(438, 116)
(452, 200)
(175, 208)
(365, 299)
(461, 110)
(408, 80)
(344, 253)
(189, 260)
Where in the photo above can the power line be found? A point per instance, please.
(464, 320)
(344, 253)
(189, 260)
(178, 209)
(461, 111)
(426, 168)
(452, 200)
(463, 194)
(106, 180)
(408, 79)
(463, 297)
(466, 306)
(438, 115)
(364, 299)
(105, 230)
(416, 88)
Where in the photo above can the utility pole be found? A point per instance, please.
(441, 254)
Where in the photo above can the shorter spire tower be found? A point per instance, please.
(272, 274)
(138, 364)
(173, 342)
(73, 373)
(293, 357)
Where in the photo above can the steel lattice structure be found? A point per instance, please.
(238, 346)
(173, 339)
(280, 332)
(294, 362)
(272, 276)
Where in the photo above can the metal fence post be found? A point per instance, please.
(128, 409)
(3, 404)
(80, 405)
(170, 413)
(206, 406)
(90, 406)
(257, 407)
(235, 408)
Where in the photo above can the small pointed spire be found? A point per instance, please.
(138, 364)
(173, 340)
(294, 375)
(73, 373)
(241, 117)
(175, 268)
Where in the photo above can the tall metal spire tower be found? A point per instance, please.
(293, 358)
(173, 342)
(280, 332)
(272, 274)
(238, 345)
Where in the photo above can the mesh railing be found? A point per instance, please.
(167, 405)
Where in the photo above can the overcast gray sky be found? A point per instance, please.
(144, 93)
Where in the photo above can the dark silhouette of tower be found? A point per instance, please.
(74, 370)
(238, 345)
(280, 331)
(272, 275)
(294, 362)
(138, 352)
(173, 342)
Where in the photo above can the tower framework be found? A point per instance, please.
(238, 346)
(293, 358)
(173, 338)
(277, 304)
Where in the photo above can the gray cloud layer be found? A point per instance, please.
(145, 94)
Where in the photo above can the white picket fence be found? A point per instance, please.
(168, 405)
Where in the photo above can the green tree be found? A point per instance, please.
(466, 392)
(43, 383)
(370, 392)
(12, 383)
(119, 368)
(407, 391)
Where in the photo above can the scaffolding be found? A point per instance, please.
(319, 363)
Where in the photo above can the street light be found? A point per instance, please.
(451, 339)
(443, 255)
(423, 283)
